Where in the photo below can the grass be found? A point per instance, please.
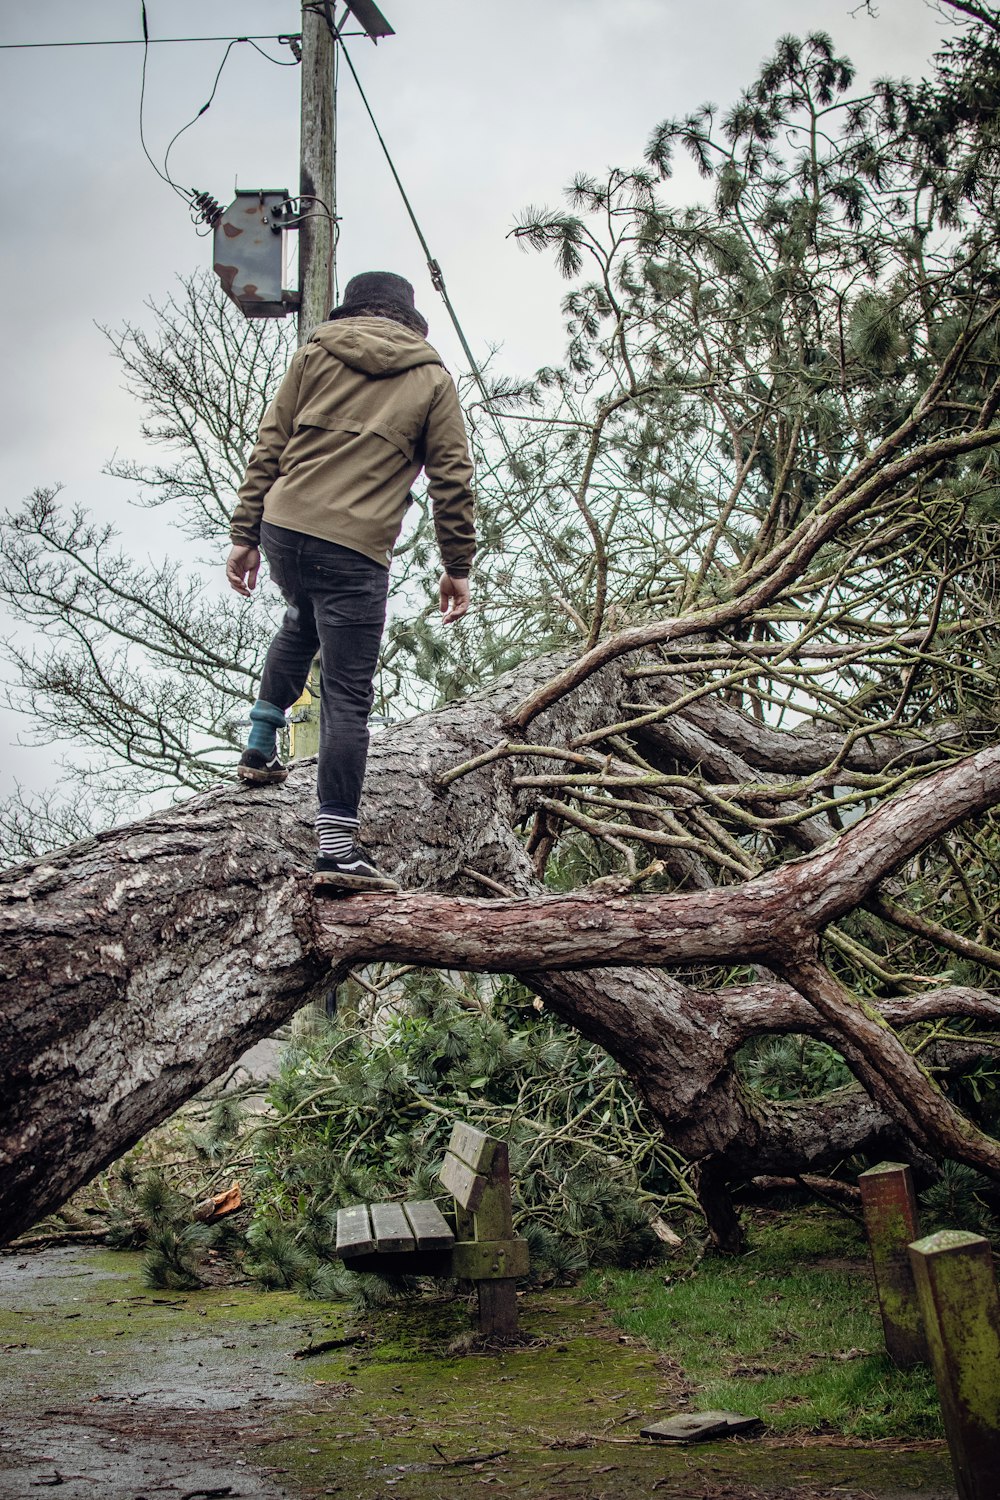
(788, 1332)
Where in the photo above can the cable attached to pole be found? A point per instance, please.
(433, 265)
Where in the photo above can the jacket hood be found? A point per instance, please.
(375, 346)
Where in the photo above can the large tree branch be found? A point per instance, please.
(137, 965)
(801, 751)
(982, 13)
(762, 918)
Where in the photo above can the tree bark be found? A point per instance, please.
(136, 966)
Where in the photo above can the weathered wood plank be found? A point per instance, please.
(960, 1305)
(464, 1185)
(490, 1260)
(697, 1426)
(431, 1229)
(391, 1229)
(354, 1234)
(472, 1146)
(890, 1210)
(493, 1216)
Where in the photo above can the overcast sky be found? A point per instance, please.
(487, 105)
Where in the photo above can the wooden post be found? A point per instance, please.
(957, 1289)
(317, 176)
(890, 1210)
(497, 1299)
(303, 736)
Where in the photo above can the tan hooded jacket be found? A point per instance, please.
(364, 406)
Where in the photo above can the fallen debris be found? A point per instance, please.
(475, 1459)
(309, 1350)
(665, 1234)
(700, 1426)
(219, 1205)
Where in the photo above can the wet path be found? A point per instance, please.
(114, 1392)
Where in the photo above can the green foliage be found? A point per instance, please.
(275, 1259)
(961, 1198)
(364, 1112)
(875, 332)
(155, 1200)
(144, 1205)
(174, 1257)
(792, 1067)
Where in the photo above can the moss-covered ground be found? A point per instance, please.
(788, 1332)
(109, 1389)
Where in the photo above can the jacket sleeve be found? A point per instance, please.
(265, 460)
(448, 467)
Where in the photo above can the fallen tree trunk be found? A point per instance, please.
(136, 966)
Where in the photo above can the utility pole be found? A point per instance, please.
(317, 240)
(317, 222)
(317, 170)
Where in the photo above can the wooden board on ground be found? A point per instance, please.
(431, 1229)
(699, 1426)
(390, 1226)
(354, 1234)
(473, 1147)
(465, 1186)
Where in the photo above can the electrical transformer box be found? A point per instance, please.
(248, 245)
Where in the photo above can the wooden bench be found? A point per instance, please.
(415, 1239)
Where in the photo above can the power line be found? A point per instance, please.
(189, 195)
(163, 176)
(279, 62)
(197, 117)
(146, 41)
(161, 41)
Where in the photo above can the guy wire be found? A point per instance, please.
(436, 274)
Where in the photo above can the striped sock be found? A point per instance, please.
(336, 834)
(265, 721)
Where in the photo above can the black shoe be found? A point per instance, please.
(254, 767)
(354, 872)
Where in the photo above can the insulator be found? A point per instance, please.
(207, 206)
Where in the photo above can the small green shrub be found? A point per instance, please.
(961, 1198)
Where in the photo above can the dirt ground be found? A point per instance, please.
(111, 1390)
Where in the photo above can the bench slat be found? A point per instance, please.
(466, 1186)
(403, 1263)
(430, 1227)
(472, 1146)
(391, 1229)
(354, 1235)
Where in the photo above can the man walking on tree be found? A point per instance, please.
(364, 406)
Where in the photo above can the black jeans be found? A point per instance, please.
(336, 606)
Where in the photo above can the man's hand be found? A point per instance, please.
(242, 566)
(454, 598)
